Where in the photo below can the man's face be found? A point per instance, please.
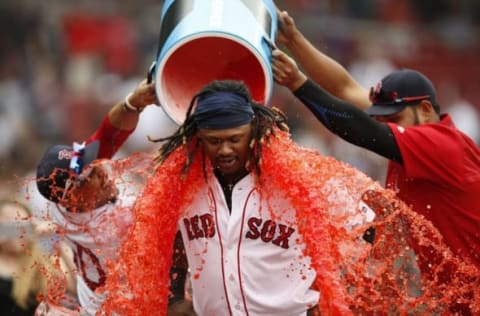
(416, 114)
(91, 190)
(407, 117)
(227, 149)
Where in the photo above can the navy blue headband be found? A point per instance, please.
(222, 110)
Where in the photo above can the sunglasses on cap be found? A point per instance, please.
(383, 97)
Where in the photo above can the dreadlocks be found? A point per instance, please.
(264, 123)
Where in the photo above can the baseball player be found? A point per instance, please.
(407, 127)
(92, 210)
(238, 216)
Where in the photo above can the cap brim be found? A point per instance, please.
(91, 152)
(380, 110)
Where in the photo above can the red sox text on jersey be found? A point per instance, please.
(203, 226)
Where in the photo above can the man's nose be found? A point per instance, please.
(225, 149)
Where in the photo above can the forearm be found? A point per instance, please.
(349, 122)
(178, 271)
(124, 115)
(178, 277)
(110, 137)
(122, 118)
(327, 72)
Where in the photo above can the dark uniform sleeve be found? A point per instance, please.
(349, 122)
(178, 271)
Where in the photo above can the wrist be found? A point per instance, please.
(296, 41)
(298, 82)
(128, 107)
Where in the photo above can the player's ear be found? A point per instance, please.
(427, 111)
(426, 107)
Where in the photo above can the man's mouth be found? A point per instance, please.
(225, 163)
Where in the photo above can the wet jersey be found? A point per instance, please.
(249, 260)
(95, 236)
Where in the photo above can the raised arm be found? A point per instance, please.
(322, 69)
(122, 119)
(124, 115)
(340, 117)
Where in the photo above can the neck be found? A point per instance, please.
(230, 179)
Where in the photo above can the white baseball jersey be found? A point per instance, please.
(249, 261)
(95, 238)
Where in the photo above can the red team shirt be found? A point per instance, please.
(440, 179)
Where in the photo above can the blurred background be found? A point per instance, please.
(64, 63)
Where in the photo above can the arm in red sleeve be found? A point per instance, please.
(110, 138)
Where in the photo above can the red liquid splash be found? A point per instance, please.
(354, 278)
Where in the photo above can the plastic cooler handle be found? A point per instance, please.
(151, 71)
(270, 43)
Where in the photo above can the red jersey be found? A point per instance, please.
(440, 179)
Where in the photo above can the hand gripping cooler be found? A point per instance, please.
(201, 41)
